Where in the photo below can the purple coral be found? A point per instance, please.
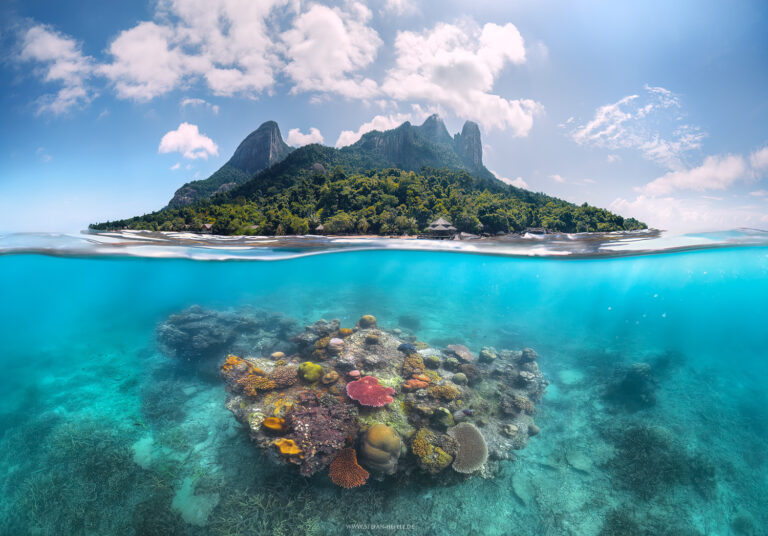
(320, 426)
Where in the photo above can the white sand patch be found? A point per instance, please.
(571, 377)
(142, 451)
(194, 509)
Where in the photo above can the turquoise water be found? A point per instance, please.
(103, 434)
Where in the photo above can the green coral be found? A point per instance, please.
(432, 458)
(310, 372)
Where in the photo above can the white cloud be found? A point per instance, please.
(188, 140)
(590, 181)
(326, 46)
(557, 178)
(716, 173)
(381, 122)
(400, 7)
(611, 158)
(176, 166)
(456, 67)
(651, 123)
(759, 161)
(62, 62)
(759, 193)
(227, 43)
(195, 102)
(675, 214)
(298, 139)
(43, 155)
(519, 182)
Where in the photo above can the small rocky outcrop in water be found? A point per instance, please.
(365, 403)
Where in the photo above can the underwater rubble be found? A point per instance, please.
(361, 402)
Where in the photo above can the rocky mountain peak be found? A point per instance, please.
(433, 129)
(262, 148)
(469, 146)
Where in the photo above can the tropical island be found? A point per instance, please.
(396, 182)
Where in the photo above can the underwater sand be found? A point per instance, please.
(100, 433)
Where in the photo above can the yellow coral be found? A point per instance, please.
(287, 447)
(276, 424)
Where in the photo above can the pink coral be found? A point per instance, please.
(368, 392)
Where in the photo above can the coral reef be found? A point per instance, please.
(199, 334)
(396, 406)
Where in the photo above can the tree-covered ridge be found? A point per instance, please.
(297, 195)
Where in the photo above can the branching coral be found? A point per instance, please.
(346, 472)
(253, 383)
(284, 376)
(368, 392)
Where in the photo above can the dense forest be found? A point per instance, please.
(291, 199)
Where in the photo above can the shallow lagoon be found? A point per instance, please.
(103, 434)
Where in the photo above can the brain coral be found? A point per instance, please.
(380, 448)
(346, 472)
(473, 451)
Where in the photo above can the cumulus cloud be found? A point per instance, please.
(716, 173)
(519, 182)
(298, 139)
(400, 7)
(651, 123)
(188, 141)
(699, 214)
(759, 193)
(62, 62)
(759, 161)
(176, 166)
(224, 42)
(557, 178)
(195, 102)
(455, 67)
(326, 46)
(381, 122)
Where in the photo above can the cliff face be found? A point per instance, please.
(261, 149)
(469, 147)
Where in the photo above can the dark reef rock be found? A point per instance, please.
(199, 334)
(633, 387)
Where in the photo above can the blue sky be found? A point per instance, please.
(656, 110)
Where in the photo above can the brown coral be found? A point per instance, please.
(447, 391)
(414, 384)
(284, 376)
(253, 383)
(346, 472)
(413, 364)
(231, 362)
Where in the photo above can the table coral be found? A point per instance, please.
(368, 392)
(346, 472)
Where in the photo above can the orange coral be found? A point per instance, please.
(253, 383)
(231, 362)
(422, 378)
(276, 424)
(287, 446)
(413, 384)
(413, 364)
(346, 472)
(345, 332)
